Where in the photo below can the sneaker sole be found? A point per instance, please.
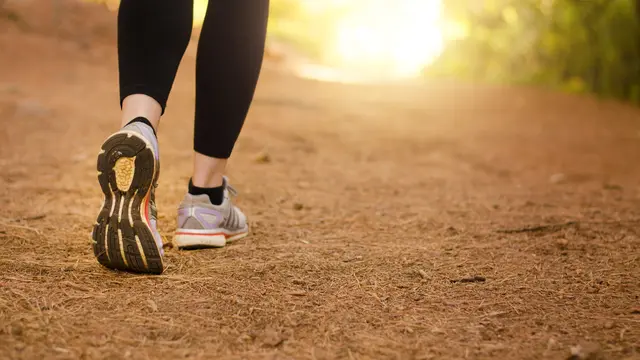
(190, 240)
(122, 237)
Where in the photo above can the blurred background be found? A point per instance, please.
(570, 45)
(425, 179)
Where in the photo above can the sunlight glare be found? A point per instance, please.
(390, 38)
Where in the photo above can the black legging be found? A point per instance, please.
(152, 38)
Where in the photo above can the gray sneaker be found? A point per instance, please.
(202, 224)
(125, 235)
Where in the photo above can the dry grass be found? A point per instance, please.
(378, 213)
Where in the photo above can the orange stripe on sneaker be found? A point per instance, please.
(146, 208)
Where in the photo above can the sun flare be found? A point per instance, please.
(397, 38)
(385, 38)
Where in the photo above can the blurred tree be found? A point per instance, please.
(574, 45)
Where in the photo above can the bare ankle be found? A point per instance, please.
(208, 172)
(140, 105)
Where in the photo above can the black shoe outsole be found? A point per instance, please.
(114, 234)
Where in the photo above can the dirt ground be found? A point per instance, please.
(433, 221)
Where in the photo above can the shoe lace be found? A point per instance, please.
(230, 188)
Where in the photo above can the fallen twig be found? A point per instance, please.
(298, 293)
(34, 217)
(540, 228)
(76, 286)
(423, 274)
(15, 226)
(470, 279)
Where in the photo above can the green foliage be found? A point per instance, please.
(573, 45)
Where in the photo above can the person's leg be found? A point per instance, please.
(230, 55)
(229, 59)
(152, 38)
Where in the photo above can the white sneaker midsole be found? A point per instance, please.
(209, 237)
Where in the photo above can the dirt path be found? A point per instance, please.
(375, 205)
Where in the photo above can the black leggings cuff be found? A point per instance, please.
(206, 150)
(156, 94)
